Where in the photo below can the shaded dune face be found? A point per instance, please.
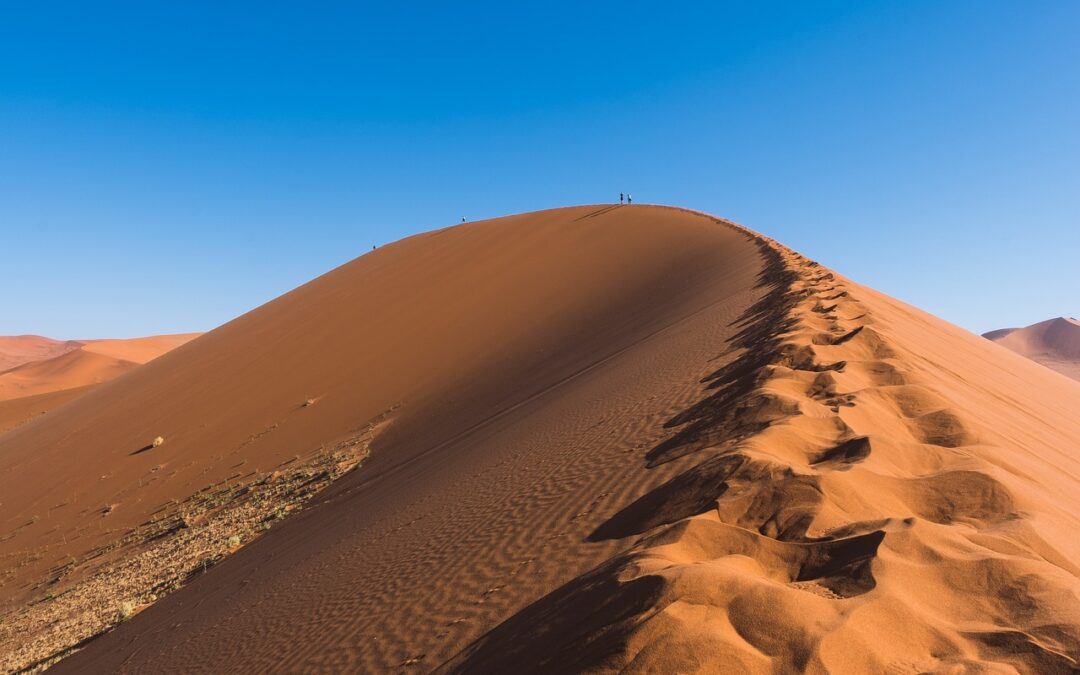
(876, 492)
(630, 439)
(513, 368)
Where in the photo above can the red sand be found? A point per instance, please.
(609, 438)
(18, 411)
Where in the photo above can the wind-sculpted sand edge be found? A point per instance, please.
(846, 516)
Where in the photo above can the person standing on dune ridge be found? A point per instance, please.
(620, 198)
(629, 199)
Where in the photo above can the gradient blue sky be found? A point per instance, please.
(166, 168)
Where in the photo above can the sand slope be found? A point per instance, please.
(83, 362)
(18, 411)
(1054, 343)
(522, 364)
(601, 439)
(877, 491)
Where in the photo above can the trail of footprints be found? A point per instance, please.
(852, 351)
(822, 365)
(817, 444)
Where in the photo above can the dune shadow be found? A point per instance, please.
(688, 494)
(571, 630)
(763, 507)
(843, 455)
(730, 413)
(602, 210)
(719, 417)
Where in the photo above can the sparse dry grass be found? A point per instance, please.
(178, 543)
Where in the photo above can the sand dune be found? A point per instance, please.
(16, 350)
(72, 369)
(878, 491)
(1054, 343)
(597, 438)
(470, 342)
(79, 363)
(138, 350)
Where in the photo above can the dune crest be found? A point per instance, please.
(871, 497)
(138, 350)
(520, 363)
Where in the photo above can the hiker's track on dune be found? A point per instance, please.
(826, 444)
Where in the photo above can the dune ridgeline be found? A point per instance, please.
(599, 439)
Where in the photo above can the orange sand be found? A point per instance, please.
(617, 439)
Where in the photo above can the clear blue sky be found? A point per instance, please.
(165, 167)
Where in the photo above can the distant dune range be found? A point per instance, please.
(38, 374)
(603, 438)
(1054, 343)
(16, 350)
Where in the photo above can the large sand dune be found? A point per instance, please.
(1054, 343)
(597, 438)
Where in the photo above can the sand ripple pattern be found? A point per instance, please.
(402, 564)
(841, 514)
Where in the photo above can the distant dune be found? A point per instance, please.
(1054, 343)
(16, 350)
(602, 438)
(48, 373)
(139, 350)
(78, 363)
(76, 368)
